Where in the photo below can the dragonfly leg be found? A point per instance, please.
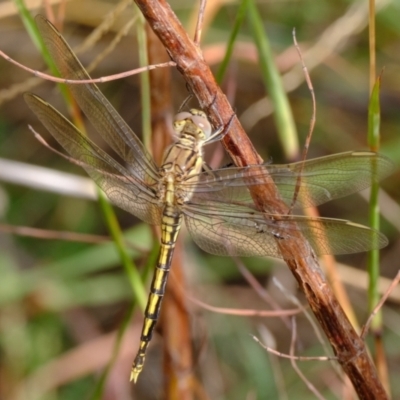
(188, 98)
(220, 133)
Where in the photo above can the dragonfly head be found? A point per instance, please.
(193, 122)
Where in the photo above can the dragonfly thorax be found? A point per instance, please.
(183, 160)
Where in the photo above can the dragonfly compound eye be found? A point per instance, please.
(182, 116)
(202, 122)
(180, 120)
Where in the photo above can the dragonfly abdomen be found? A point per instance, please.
(170, 226)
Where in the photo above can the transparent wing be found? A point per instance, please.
(223, 230)
(322, 179)
(97, 108)
(122, 188)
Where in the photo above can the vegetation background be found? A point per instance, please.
(62, 301)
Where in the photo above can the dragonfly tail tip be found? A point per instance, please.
(134, 376)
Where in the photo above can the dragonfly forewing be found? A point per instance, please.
(322, 179)
(102, 115)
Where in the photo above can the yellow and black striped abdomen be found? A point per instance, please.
(171, 223)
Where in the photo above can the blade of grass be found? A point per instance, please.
(132, 272)
(374, 120)
(273, 84)
(241, 13)
(373, 262)
(151, 261)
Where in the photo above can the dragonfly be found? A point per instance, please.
(216, 205)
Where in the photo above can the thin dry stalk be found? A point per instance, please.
(310, 386)
(53, 235)
(394, 283)
(51, 78)
(261, 292)
(291, 356)
(241, 312)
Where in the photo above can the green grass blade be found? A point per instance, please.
(241, 13)
(273, 84)
(374, 119)
(132, 272)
